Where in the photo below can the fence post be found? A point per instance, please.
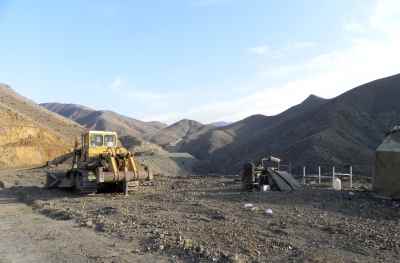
(333, 174)
(319, 174)
(351, 177)
(304, 175)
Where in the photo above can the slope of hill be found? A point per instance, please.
(105, 120)
(338, 131)
(70, 111)
(58, 124)
(133, 135)
(29, 134)
(174, 133)
(160, 161)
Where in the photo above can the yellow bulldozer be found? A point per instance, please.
(99, 163)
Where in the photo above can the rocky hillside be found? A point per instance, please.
(105, 120)
(29, 134)
(173, 134)
(70, 111)
(343, 130)
(134, 135)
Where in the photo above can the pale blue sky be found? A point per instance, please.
(208, 60)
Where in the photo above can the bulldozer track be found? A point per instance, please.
(83, 185)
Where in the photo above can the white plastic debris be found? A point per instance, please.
(269, 211)
(337, 184)
(266, 188)
(248, 205)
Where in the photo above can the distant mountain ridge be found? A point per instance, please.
(220, 123)
(71, 111)
(177, 131)
(338, 131)
(105, 120)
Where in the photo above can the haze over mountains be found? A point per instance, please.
(220, 123)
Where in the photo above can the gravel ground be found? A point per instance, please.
(204, 219)
(27, 236)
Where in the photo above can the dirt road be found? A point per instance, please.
(26, 236)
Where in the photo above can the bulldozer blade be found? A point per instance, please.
(52, 181)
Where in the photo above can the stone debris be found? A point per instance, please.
(255, 209)
(218, 216)
(192, 224)
(269, 212)
(4, 184)
(87, 223)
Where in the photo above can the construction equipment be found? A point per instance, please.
(267, 173)
(100, 164)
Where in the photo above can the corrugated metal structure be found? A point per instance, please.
(387, 166)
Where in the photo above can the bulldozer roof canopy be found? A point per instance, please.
(391, 142)
(102, 132)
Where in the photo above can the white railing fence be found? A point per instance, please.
(318, 174)
(341, 174)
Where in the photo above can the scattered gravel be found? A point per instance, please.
(203, 219)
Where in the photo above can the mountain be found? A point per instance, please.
(220, 124)
(132, 134)
(176, 132)
(339, 131)
(29, 134)
(105, 120)
(70, 111)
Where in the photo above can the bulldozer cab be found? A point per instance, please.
(99, 163)
(95, 143)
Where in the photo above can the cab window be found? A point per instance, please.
(96, 140)
(110, 141)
